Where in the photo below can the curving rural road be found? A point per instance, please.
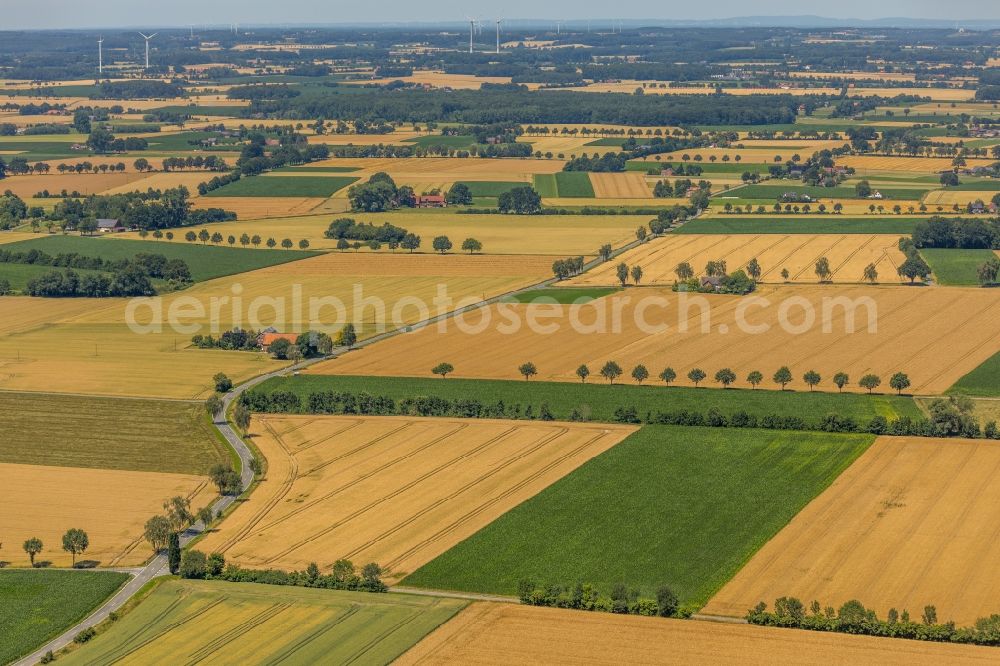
(158, 565)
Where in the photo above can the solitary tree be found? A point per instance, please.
(696, 375)
(684, 271)
(871, 274)
(471, 245)
(783, 376)
(870, 382)
(668, 375)
(811, 379)
(900, 382)
(622, 272)
(222, 383)
(785, 274)
(841, 380)
(823, 269)
(636, 274)
(583, 372)
(528, 370)
(725, 377)
(640, 373)
(157, 532)
(441, 244)
(611, 371)
(755, 378)
(443, 369)
(753, 269)
(32, 547)
(241, 417)
(75, 542)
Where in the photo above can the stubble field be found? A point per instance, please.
(848, 256)
(912, 522)
(529, 635)
(110, 505)
(392, 490)
(934, 335)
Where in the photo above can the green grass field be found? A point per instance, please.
(564, 295)
(956, 267)
(205, 261)
(284, 186)
(108, 433)
(186, 621)
(983, 382)
(574, 184)
(815, 224)
(18, 275)
(686, 507)
(545, 184)
(37, 605)
(601, 400)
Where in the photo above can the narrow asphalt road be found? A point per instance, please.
(158, 565)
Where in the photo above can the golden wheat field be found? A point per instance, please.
(561, 235)
(440, 80)
(960, 197)
(445, 169)
(397, 137)
(163, 180)
(914, 521)
(85, 346)
(934, 335)
(621, 186)
(28, 186)
(865, 164)
(531, 635)
(847, 255)
(565, 145)
(110, 505)
(398, 491)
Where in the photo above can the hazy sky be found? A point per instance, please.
(101, 13)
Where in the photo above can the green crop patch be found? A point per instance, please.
(18, 275)
(814, 224)
(982, 382)
(545, 185)
(205, 261)
(562, 295)
(266, 624)
(284, 186)
(669, 505)
(37, 605)
(574, 184)
(108, 433)
(956, 267)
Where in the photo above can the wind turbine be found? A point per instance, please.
(498, 36)
(472, 32)
(147, 38)
(100, 56)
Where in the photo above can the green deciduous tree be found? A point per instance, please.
(527, 370)
(725, 377)
(783, 376)
(611, 371)
(899, 382)
(870, 382)
(443, 369)
(583, 372)
(668, 375)
(755, 378)
(33, 547)
(640, 373)
(812, 379)
(696, 375)
(840, 380)
(75, 541)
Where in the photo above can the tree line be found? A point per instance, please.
(585, 596)
(854, 618)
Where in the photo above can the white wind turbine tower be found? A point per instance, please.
(472, 32)
(147, 38)
(498, 36)
(100, 56)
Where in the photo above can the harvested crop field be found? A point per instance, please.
(190, 621)
(629, 185)
(530, 635)
(110, 505)
(85, 345)
(163, 181)
(961, 197)
(397, 491)
(28, 186)
(914, 521)
(867, 163)
(934, 335)
(559, 235)
(445, 169)
(848, 255)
